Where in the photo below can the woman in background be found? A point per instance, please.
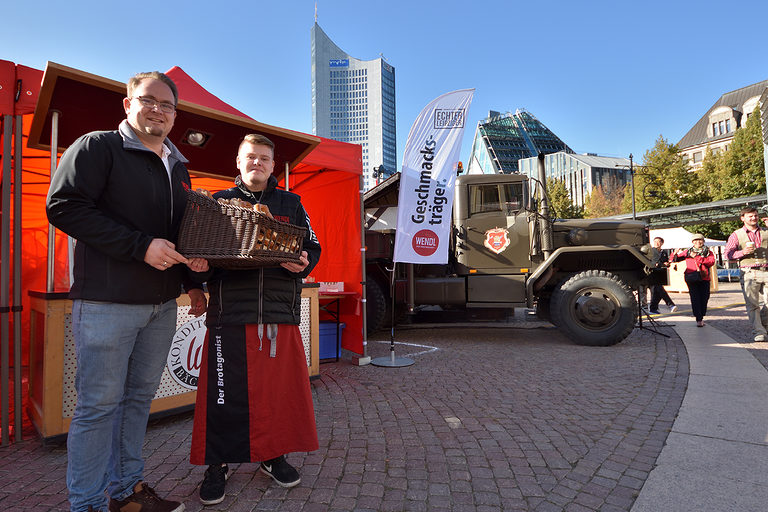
(698, 260)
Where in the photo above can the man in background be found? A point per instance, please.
(748, 245)
(661, 257)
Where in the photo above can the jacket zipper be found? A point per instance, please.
(293, 302)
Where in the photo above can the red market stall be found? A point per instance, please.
(70, 102)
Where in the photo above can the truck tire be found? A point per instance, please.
(594, 308)
(375, 305)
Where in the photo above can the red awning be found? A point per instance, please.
(19, 87)
(324, 172)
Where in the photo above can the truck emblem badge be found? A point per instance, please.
(496, 239)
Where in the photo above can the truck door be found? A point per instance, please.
(492, 229)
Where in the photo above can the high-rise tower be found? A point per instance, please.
(354, 101)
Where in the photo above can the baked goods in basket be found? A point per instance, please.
(234, 234)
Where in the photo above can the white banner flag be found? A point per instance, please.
(428, 177)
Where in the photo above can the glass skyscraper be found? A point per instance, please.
(503, 139)
(354, 101)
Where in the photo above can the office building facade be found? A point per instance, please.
(353, 101)
(581, 173)
(501, 140)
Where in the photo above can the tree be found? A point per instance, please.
(740, 171)
(709, 171)
(560, 204)
(603, 203)
(663, 179)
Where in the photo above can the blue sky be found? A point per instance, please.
(606, 77)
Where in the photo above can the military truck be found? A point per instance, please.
(505, 252)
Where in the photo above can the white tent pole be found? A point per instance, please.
(365, 359)
(51, 230)
(287, 175)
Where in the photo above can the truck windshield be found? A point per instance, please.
(506, 198)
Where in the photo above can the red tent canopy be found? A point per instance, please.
(325, 173)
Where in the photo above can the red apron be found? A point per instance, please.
(252, 407)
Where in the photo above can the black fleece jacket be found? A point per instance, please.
(112, 194)
(265, 295)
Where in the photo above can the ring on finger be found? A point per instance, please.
(165, 263)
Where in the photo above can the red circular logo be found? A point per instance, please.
(425, 242)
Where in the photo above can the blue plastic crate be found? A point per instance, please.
(328, 340)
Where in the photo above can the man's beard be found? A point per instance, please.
(155, 131)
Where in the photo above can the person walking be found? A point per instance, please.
(748, 245)
(661, 258)
(121, 195)
(698, 260)
(254, 403)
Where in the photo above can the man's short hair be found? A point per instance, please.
(136, 79)
(257, 139)
(746, 210)
(659, 238)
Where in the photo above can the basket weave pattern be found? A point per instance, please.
(233, 237)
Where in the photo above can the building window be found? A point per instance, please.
(722, 127)
(697, 157)
(714, 130)
(727, 126)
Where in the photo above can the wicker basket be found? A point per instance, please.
(233, 237)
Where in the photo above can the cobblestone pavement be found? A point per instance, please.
(512, 418)
(726, 313)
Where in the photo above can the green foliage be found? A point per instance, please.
(663, 180)
(740, 171)
(560, 204)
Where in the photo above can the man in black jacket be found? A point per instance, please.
(661, 258)
(253, 398)
(121, 195)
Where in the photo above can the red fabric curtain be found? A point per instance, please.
(328, 181)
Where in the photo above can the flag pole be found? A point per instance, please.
(391, 361)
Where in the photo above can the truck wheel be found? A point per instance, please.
(375, 305)
(594, 308)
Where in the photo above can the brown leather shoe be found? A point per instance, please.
(144, 499)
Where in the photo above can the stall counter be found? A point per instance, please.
(52, 362)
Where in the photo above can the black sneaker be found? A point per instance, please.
(144, 499)
(281, 472)
(214, 482)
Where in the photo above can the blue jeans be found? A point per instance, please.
(121, 352)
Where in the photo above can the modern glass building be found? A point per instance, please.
(354, 101)
(503, 139)
(581, 173)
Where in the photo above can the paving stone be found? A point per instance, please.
(536, 423)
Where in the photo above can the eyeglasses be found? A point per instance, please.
(150, 103)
